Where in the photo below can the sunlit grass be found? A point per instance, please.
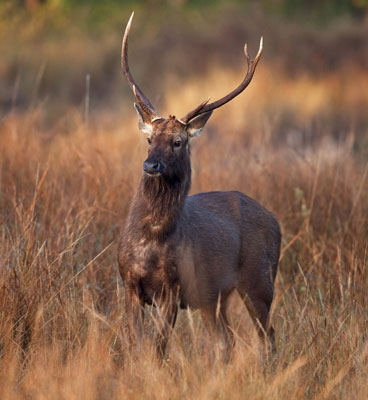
(297, 144)
(63, 201)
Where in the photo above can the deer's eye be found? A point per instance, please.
(177, 143)
(149, 141)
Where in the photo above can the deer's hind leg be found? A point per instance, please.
(258, 300)
(259, 310)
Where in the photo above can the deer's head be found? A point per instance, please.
(168, 138)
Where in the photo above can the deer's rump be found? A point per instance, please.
(231, 241)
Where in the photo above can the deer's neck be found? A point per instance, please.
(159, 202)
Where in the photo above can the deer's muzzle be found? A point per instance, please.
(153, 167)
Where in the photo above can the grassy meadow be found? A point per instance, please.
(71, 156)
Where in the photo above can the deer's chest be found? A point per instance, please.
(155, 268)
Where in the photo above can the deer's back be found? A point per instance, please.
(230, 214)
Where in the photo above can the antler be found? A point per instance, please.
(142, 100)
(205, 107)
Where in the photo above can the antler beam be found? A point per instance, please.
(205, 107)
(142, 100)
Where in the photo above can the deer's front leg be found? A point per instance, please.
(166, 318)
(135, 315)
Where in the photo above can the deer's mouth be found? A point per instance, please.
(156, 174)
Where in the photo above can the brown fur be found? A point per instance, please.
(194, 250)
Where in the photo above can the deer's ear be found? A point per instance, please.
(196, 125)
(144, 120)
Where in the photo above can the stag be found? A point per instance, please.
(193, 251)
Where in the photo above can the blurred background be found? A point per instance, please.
(181, 51)
(71, 157)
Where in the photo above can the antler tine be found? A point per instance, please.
(205, 107)
(141, 98)
(194, 112)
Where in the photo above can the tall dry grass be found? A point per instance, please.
(64, 197)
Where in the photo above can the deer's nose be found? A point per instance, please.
(152, 166)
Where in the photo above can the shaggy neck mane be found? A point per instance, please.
(159, 202)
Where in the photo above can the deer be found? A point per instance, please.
(193, 251)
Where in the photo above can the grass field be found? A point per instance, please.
(296, 142)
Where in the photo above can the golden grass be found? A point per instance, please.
(64, 195)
